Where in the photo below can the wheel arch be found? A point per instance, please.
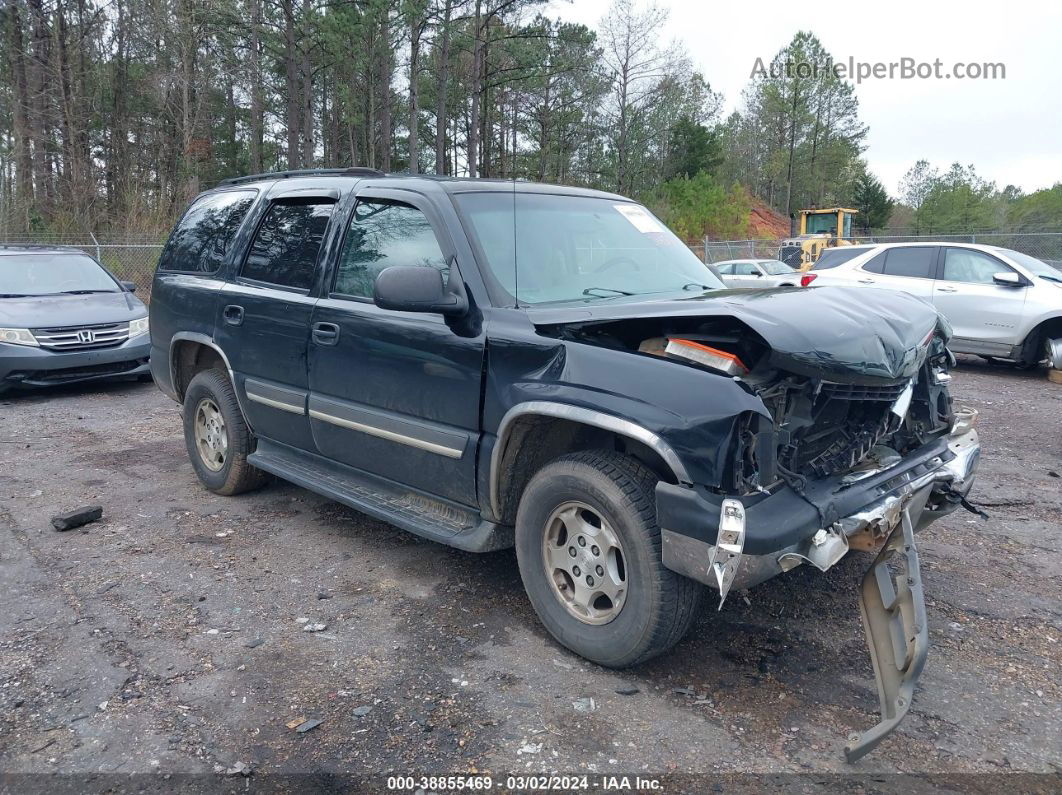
(189, 354)
(1050, 327)
(533, 433)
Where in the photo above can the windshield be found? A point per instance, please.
(546, 248)
(775, 268)
(49, 274)
(1038, 267)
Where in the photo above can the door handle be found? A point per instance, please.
(947, 289)
(233, 314)
(866, 281)
(325, 333)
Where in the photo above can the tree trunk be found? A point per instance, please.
(257, 120)
(415, 29)
(477, 81)
(22, 130)
(291, 83)
(384, 87)
(307, 95)
(441, 104)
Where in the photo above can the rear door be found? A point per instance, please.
(908, 269)
(978, 308)
(394, 393)
(264, 315)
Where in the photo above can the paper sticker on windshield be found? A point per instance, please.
(641, 220)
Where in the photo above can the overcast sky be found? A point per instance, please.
(1010, 129)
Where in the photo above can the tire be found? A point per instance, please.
(223, 467)
(1053, 353)
(656, 606)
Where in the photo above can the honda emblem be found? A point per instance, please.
(86, 335)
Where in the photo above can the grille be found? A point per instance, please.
(82, 338)
(860, 392)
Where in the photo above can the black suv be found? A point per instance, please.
(489, 364)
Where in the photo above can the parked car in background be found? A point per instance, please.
(1000, 303)
(491, 364)
(65, 318)
(757, 273)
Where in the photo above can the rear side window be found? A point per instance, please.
(910, 261)
(203, 236)
(285, 247)
(832, 257)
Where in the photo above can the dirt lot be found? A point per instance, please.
(170, 638)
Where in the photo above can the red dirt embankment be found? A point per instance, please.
(766, 223)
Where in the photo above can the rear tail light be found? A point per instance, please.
(703, 354)
(808, 278)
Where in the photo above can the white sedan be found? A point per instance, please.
(757, 273)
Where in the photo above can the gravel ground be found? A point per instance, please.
(170, 637)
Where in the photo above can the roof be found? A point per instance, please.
(830, 210)
(335, 176)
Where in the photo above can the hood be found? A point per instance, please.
(836, 333)
(49, 311)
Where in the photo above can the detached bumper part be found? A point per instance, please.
(893, 607)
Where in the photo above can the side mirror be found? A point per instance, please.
(412, 288)
(1007, 279)
(129, 287)
(757, 274)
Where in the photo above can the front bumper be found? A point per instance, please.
(879, 510)
(22, 366)
(784, 529)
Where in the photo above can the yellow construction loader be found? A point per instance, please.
(819, 229)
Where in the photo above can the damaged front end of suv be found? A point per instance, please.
(830, 428)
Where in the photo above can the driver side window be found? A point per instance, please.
(973, 267)
(382, 234)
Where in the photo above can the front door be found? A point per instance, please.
(394, 393)
(264, 316)
(980, 310)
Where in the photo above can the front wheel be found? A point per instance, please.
(588, 548)
(217, 436)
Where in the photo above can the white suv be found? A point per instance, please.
(1000, 303)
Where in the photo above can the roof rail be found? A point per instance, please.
(356, 171)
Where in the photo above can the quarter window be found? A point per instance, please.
(967, 265)
(285, 247)
(910, 261)
(382, 234)
(202, 238)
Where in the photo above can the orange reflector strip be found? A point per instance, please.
(730, 360)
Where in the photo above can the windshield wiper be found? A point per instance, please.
(1051, 278)
(15, 295)
(84, 292)
(591, 291)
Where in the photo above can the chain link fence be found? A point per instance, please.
(1046, 246)
(133, 259)
(130, 259)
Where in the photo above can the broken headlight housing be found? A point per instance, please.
(18, 336)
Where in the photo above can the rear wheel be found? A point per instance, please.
(588, 547)
(217, 436)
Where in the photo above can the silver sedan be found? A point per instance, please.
(757, 273)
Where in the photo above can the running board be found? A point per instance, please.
(894, 617)
(423, 515)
